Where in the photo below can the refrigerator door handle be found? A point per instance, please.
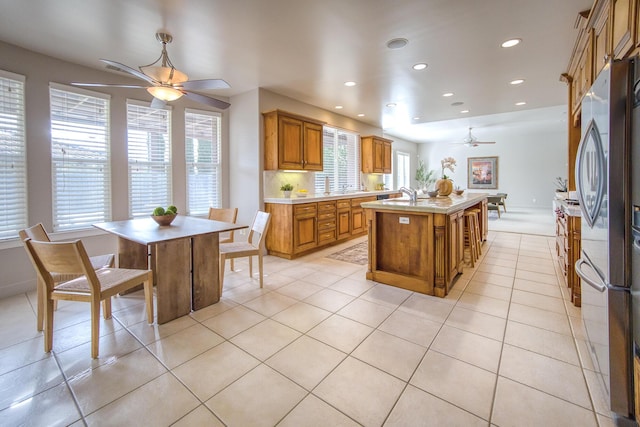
(635, 231)
(597, 286)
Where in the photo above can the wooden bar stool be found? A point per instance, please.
(470, 236)
(478, 235)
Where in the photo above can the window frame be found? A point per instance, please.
(331, 163)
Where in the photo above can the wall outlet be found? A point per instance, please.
(404, 220)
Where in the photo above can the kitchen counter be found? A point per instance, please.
(419, 245)
(310, 198)
(440, 204)
(567, 208)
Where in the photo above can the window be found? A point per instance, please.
(202, 145)
(80, 157)
(149, 148)
(403, 170)
(341, 159)
(13, 162)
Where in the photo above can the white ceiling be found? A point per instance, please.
(307, 49)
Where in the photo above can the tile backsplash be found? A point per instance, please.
(306, 180)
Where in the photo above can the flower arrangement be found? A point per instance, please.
(424, 178)
(561, 184)
(448, 163)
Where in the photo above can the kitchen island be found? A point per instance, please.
(420, 245)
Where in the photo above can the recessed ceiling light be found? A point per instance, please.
(521, 103)
(456, 104)
(391, 104)
(398, 43)
(349, 84)
(420, 66)
(448, 94)
(517, 81)
(361, 115)
(464, 111)
(338, 107)
(416, 118)
(511, 42)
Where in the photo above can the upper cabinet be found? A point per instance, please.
(375, 154)
(623, 24)
(292, 142)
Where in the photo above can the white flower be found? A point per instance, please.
(448, 163)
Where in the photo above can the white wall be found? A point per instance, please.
(529, 159)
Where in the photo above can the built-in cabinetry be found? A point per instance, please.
(298, 229)
(568, 249)
(292, 142)
(375, 154)
(609, 30)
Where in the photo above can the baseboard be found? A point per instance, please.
(11, 289)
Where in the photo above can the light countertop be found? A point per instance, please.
(440, 204)
(311, 198)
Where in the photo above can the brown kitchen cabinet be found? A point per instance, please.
(623, 23)
(375, 154)
(568, 247)
(292, 142)
(358, 218)
(326, 222)
(343, 208)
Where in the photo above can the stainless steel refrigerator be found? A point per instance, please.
(607, 193)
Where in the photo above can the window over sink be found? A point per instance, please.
(341, 160)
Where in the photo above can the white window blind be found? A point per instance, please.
(202, 145)
(341, 159)
(149, 153)
(80, 157)
(13, 161)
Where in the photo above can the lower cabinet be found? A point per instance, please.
(344, 218)
(358, 219)
(568, 245)
(305, 227)
(326, 222)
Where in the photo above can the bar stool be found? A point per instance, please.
(470, 236)
(478, 235)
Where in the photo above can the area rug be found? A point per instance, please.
(356, 254)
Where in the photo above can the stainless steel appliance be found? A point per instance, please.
(603, 182)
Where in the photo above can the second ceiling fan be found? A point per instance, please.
(165, 82)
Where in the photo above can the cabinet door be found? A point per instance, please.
(386, 158)
(622, 26)
(357, 221)
(312, 147)
(304, 233)
(601, 49)
(378, 156)
(344, 224)
(290, 137)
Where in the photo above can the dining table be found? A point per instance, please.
(183, 257)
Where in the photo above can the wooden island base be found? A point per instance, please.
(420, 246)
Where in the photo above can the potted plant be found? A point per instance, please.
(286, 189)
(424, 178)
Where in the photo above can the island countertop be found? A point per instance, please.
(440, 205)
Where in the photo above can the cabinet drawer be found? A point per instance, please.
(326, 225)
(344, 204)
(327, 206)
(326, 236)
(305, 209)
(326, 215)
(355, 203)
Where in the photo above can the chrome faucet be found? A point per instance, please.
(344, 187)
(413, 194)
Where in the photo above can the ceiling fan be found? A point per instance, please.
(165, 82)
(472, 141)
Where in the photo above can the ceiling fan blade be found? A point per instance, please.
(107, 85)
(207, 100)
(483, 142)
(205, 84)
(157, 103)
(126, 69)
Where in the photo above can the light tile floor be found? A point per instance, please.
(319, 345)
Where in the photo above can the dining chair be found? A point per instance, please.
(38, 233)
(225, 215)
(502, 201)
(92, 286)
(253, 246)
(493, 204)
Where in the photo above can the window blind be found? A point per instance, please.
(149, 156)
(341, 160)
(80, 157)
(13, 162)
(202, 145)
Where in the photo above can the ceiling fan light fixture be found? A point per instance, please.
(164, 75)
(164, 93)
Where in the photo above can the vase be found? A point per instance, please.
(444, 186)
(287, 194)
